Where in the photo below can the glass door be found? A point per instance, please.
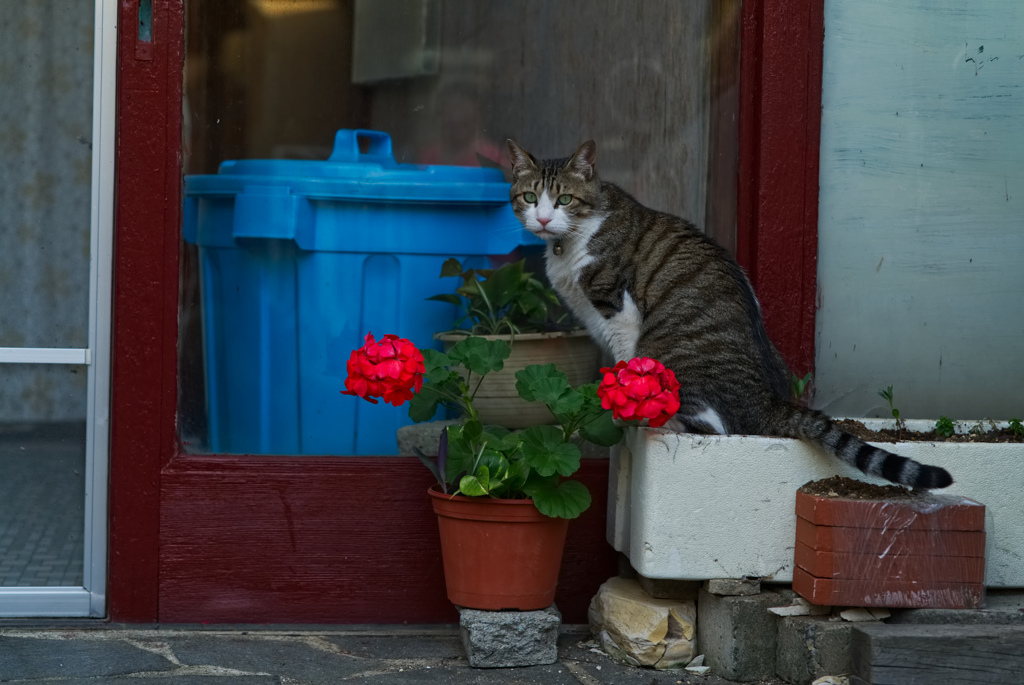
(57, 76)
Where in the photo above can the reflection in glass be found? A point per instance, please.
(653, 83)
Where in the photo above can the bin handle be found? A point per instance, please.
(346, 147)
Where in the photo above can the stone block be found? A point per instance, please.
(640, 630)
(738, 634)
(424, 436)
(811, 647)
(663, 588)
(733, 587)
(499, 639)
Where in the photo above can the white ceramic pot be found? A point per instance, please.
(694, 507)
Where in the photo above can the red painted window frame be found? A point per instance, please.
(158, 495)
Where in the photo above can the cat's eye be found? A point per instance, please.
(530, 197)
(564, 199)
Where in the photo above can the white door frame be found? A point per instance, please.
(89, 600)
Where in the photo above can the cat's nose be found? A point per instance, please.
(543, 222)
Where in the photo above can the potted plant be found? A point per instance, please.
(509, 304)
(503, 498)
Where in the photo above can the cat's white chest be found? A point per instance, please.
(618, 334)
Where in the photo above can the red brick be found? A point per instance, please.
(892, 566)
(937, 512)
(894, 541)
(887, 593)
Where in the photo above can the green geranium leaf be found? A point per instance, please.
(472, 430)
(423, 404)
(525, 378)
(451, 267)
(503, 442)
(557, 395)
(602, 430)
(436, 364)
(566, 500)
(546, 451)
(479, 355)
(496, 431)
(460, 457)
(589, 393)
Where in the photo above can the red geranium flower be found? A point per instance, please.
(392, 369)
(641, 388)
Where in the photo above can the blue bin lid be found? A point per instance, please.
(348, 173)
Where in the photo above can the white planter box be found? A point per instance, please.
(694, 507)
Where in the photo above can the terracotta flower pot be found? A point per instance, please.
(925, 552)
(498, 553)
(497, 400)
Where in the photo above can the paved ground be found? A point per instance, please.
(379, 655)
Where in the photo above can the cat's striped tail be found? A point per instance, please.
(792, 421)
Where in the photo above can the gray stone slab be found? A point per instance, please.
(306, 657)
(810, 647)
(423, 436)
(171, 679)
(555, 674)
(28, 657)
(383, 654)
(598, 669)
(439, 647)
(737, 635)
(499, 639)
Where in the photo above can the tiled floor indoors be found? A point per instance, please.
(41, 505)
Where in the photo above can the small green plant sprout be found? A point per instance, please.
(887, 396)
(798, 386)
(1017, 428)
(944, 427)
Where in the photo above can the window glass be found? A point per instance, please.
(46, 124)
(448, 81)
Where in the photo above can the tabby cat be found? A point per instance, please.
(649, 284)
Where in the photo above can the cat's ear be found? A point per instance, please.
(583, 161)
(521, 159)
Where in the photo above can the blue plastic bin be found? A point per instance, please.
(299, 260)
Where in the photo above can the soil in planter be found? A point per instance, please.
(838, 487)
(891, 435)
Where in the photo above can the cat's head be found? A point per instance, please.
(553, 197)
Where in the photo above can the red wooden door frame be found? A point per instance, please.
(181, 525)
